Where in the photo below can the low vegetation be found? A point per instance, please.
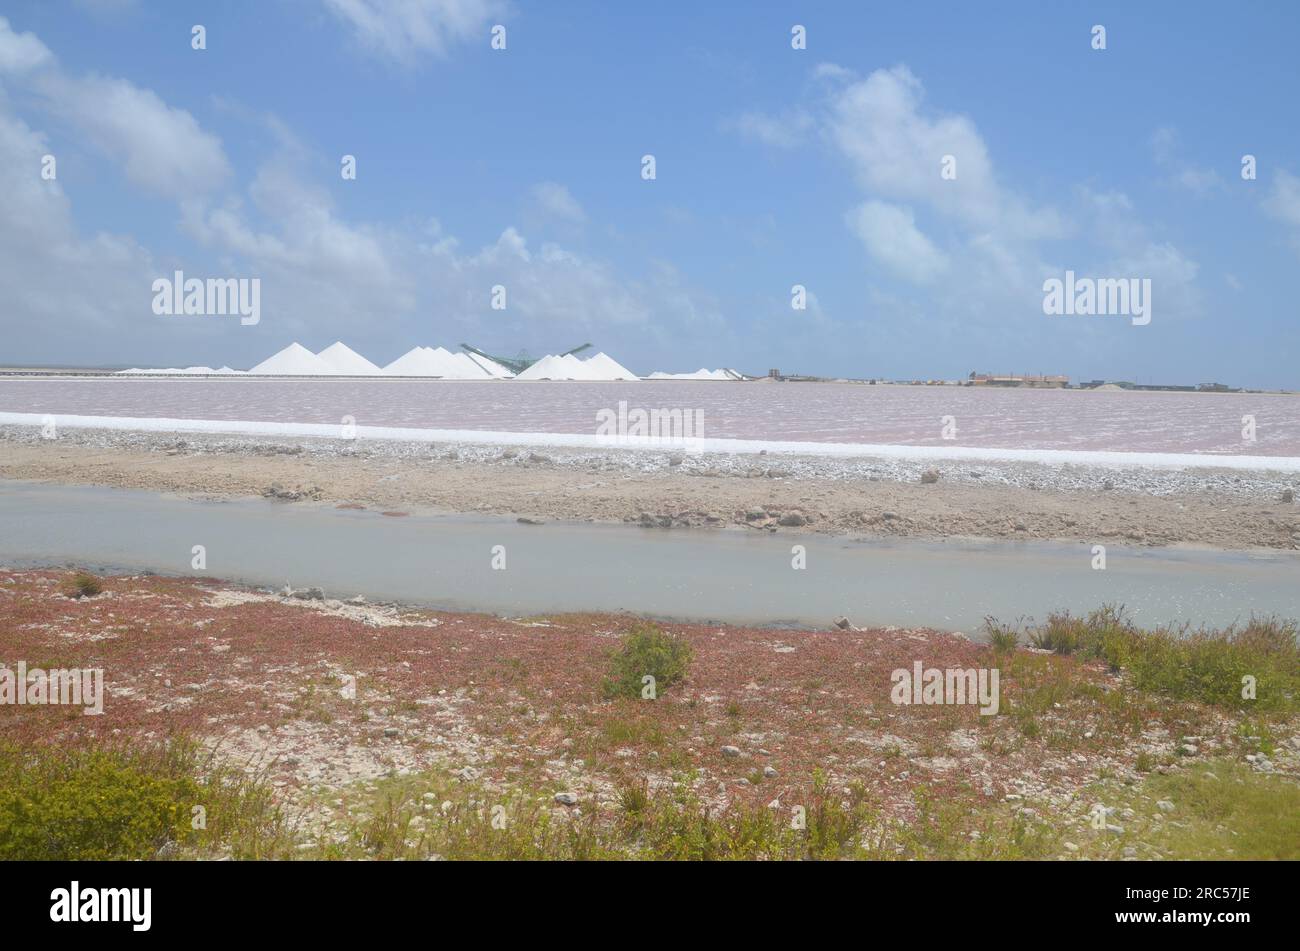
(84, 585)
(1216, 810)
(127, 802)
(1255, 665)
(646, 651)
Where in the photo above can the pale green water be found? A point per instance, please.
(735, 576)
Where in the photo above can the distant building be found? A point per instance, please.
(1018, 379)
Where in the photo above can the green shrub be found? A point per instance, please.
(646, 650)
(85, 585)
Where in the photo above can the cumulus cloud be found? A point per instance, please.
(896, 148)
(59, 283)
(990, 245)
(21, 52)
(405, 30)
(160, 147)
(890, 235)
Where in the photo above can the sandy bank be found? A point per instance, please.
(859, 497)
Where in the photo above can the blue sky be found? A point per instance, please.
(775, 167)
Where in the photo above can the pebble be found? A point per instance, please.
(1164, 805)
(566, 799)
(731, 751)
(769, 772)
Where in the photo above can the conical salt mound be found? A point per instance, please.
(415, 362)
(549, 367)
(604, 367)
(347, 362)
(491, 367)
(294, 360)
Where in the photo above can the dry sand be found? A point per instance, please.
(1211, 508)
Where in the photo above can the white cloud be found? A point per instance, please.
(558, 202)
(1283, 201)
(20, 52)
(1167, 149)
(160, 147)
(896, 150)
(406, 30)
(890, 235)
(784, 131)
(59, 284)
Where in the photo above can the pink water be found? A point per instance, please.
(815, 412)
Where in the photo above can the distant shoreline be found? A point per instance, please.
(117, 373)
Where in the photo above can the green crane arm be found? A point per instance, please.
(515, 364)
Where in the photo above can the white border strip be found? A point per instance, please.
(1118, 460)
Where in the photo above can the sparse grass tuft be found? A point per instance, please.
(1003, 637)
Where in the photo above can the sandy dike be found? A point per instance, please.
(860, 497)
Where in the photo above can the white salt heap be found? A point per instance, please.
(606, 367)
(338, 359)
(700, 374)
(444, 365)
(550, 367)
(491, 367)
(569, 367)
(294, 360)
(347, 362)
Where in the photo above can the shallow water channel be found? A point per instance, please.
(738, 576)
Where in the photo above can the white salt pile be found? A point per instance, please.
(338, 359)
(491, 367)
(415, 362)
(294, 360)
(550, 367)
(607, 368)
(444, 365)
(347, 362)
(177, 371)
(700, 374)
(569, 367)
